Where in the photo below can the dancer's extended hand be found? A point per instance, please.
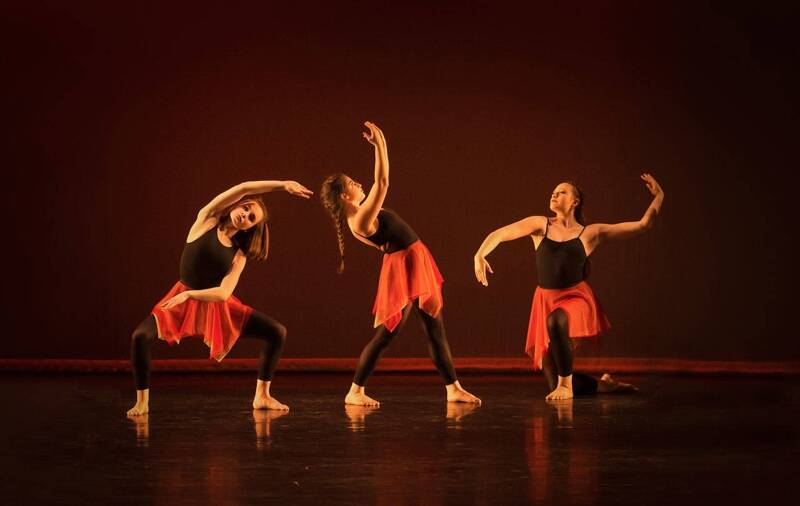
(295, 188)
(652, 184)
(481, 266)
(375, 135)
(176, 300)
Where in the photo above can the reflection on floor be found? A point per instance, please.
(682, 440)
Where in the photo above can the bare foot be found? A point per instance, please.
(360, 399)
(461, 395)
(264, 401)
(141, 408)
(608, 385)
(559, 394)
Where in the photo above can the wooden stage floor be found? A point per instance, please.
(682, 440)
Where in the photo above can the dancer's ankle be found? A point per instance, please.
(453, 387)
(262, 387)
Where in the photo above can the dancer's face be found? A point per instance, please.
(563, 199)
(246, 215)
(353, 191)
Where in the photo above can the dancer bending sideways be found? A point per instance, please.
(228, 231)
(564, 306)
(408, 273)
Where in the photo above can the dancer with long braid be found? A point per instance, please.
(408, 274)
(227, 231)
(564, 306)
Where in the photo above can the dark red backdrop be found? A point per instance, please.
(124, 121)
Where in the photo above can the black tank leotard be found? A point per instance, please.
(393, 233)
(205, 261)
(560, 264)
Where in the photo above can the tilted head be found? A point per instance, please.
(249, 216)
(247, 213)
(567, 198)
(351, 193)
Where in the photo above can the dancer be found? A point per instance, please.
(564, 305)
(408, 272)
(228, 231)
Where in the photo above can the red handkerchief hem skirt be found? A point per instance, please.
(586, 317)
(406, 275)
(219, 323)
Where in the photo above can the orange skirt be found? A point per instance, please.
(219, 323)
(406, 275)
(586, 317)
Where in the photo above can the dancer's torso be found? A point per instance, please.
(205, 261)
(393, 233)
(560, 264)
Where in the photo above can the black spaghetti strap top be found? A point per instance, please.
(205, 261)
(560, 264)
(393, 233)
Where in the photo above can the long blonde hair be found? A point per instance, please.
(254, 242)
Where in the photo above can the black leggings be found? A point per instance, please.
(437, 346)
(559, 357)
(259, 326)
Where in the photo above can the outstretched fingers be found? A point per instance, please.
(175, 300)
(295, 188)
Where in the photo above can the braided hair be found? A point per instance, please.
(331, 196)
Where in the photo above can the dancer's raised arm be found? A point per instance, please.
(524, 227)
(597, 233)
(228, 230)
(241, 190)
(409, 279)
(363, 221)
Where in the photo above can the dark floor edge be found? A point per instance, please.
(412, 365)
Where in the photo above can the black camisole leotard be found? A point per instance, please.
(206, 261)
(393, 233)
(560, 264)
